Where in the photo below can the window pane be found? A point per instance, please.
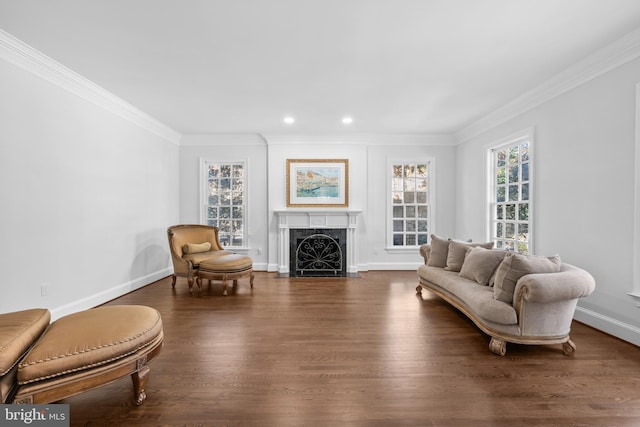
(501, 157)
(500, 194)
(397, 184)
(225, 171)
(501, 177)
(237, 184)
(422, 239)
(409, 197)
(411, 239)
(499, 229)
(398, 212)
(513, 174)
(423, 211)
(421, 184)
(423, 226)
(523, 248)
(513, 193)
(225, 184)
(213, 200)
(409, 170)
(214, 186)
(409, 184)
(214, 171)
(212, 212)
(398, 239)
(525, 171)
(411, 211)
(510, 231)
(421, 170)
(225, 198)
(525, 191)
(523, 212)
(397, 197)
(511, 212)
(237, 199)
(238, 171)
(411, 226)
(421, 197)
(513, 155)
(237, 212)
(499, 211)
(397, 171)
(398, 225)
(524, 152)
(523, 232)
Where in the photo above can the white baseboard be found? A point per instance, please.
(109, 294)
(392, 266)
(614, 327)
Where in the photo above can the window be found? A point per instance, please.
(510, 194)
(225, 198)
(410, 202)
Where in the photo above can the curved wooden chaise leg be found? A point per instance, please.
(173, 280)
(498, 346)
(568, 348)
(139, 379)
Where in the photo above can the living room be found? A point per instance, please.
(92, 181)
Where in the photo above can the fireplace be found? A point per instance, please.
(321, 222)
(317, 252)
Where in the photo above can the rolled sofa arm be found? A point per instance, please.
(569, 283)
(425, 251)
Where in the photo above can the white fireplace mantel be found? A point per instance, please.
(317, 218)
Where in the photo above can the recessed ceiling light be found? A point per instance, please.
(289, 120)
(347, 120)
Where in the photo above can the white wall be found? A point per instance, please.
(86, 198)
(584, 189)
(228, 148)
(367, 155)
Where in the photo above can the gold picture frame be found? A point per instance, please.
(318, 183)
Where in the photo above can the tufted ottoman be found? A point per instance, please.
(88, 349)
(226, 267)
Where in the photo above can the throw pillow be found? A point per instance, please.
(195, 248)
(439, 250)
(480, 264)
(457, 251)
(514, 266)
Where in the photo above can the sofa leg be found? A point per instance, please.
(498, 346)
(419, 289)
(173, 280)
(568, 348)
(140, 378)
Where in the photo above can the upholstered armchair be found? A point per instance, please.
(190, 245)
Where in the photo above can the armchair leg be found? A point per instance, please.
(173, 281)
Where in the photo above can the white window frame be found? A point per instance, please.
(490, 187)
(636, 225)
(204, 195)
(431, 184)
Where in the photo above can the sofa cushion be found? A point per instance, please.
(514, 266)
(457, 251)
(480, 264)
(194, 248)
(478, 298)
(439, 251)
(18, 331)
(71, 344)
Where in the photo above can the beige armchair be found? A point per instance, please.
(190, 245)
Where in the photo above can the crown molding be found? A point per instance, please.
(360, 139)
(602, 61)
(222, 139)
(24, 56)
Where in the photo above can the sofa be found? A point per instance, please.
(43, 362)
(514, 298)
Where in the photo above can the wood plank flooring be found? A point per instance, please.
(357, 352)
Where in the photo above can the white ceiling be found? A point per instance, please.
(395, 66)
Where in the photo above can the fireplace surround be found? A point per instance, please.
(318, 220)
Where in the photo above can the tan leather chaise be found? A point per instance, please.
(43, 363)
(196, 253)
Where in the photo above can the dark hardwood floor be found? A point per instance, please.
(356, 352)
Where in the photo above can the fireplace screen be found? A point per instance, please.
(317, 253)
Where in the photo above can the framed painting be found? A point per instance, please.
(318, 183)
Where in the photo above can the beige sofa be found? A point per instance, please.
(511, 297)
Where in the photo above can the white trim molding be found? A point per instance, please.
(614, 55)
(636, 207)
(607, 324)
(26, 57)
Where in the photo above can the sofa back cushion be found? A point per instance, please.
(457, 252)
(480, 264)
(514, 266)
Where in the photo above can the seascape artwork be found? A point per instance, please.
(314, 182)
